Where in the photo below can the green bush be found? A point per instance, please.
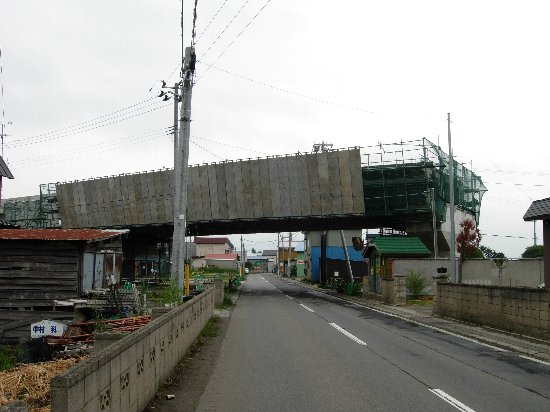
(8, 357)
(415, 284)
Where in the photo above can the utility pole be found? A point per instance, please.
(452, 201)
(288, 256)
(242, 256)
(434, 223)
(346, 254)
(535, 232)
(278, 253)
(181, 156)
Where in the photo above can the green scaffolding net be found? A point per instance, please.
(399, 178)
(34, 212)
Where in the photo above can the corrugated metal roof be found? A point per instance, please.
(4, 170)
(221, 256)
(398, 246)
(539, 210)
(60, 234)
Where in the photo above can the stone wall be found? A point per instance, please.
(520, 310)
(126, 375)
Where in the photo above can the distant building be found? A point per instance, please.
(223, 260)
(210, 246)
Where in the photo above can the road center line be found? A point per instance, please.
(452, 401)
(306, 308)
(349, 335)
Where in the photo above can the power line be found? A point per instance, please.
(225, 28)
(98, 125)
(91, 150)
(206, 150)
(235, 39)
(88, 121)
(211, 20)
(228, 145)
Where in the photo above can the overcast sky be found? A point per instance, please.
(77, 74)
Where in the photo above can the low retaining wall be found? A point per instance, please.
(521, 310)
(126, 375)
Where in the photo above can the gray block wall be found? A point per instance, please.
(127, 374)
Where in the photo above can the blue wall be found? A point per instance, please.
(333, 252)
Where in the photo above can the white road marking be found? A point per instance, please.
(349, 335)
(306, 308)
(290, 297)
(535, 360)
(456, 335)
(452, 401)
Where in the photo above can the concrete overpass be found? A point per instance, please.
(383, 186)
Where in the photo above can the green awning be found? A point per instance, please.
(397, 246)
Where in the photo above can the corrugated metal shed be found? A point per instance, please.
(60, 234)
(539, 210)
(398, 246)
(4, 170)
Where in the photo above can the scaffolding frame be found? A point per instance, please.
(398, 178)
(39, 213)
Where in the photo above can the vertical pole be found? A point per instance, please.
(180, 168)
(346, 254)
(242, 256)
(434, 223)
(534, 221)
(288, 256)
(278, 254)
(186, 292)
(452, 201)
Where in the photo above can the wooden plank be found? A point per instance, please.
(193, 178)
(138, 206)
(167, 178)
(357, 181)
(82, 204)
(159, 198)
(213, 192)
(248, 191)
(152, 197)
(313, 184)
(303, 185)
(294, 186)
(130, 200)
(345, 181)
(112, 212)
(334, 183)
(146, 198)
(284, 185)
(206, 203)
(230, 190)
(324, 183)
(239, 189)
(98, 195)
(265, 185)
(222, 191)
(257, 184)
(274, 187)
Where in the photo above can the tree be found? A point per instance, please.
(253, 250)
(467, 242)
(535, 251)
(498, 257)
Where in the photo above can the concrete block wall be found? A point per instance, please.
(520, 310)
(126, 375)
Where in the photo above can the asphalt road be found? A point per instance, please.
(288, 348)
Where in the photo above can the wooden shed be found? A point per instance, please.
(38, 266)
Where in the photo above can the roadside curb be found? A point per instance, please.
(500, 340)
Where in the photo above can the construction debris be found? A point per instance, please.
(31, 382)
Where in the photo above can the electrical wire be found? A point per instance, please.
(64, 129)
(280, 89)
(211, 20)
(206, 150)
(80, 130)
(225, 28)
(235, 39)
(228, 145)
(92, 150)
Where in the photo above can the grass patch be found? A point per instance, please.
(9, 357)
(212, 328)
(419, 302)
